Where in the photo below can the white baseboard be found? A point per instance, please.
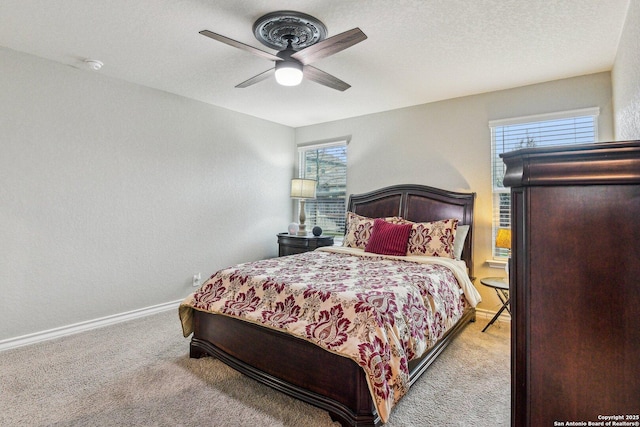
(85, 326)
(142, 312)
(482, 313)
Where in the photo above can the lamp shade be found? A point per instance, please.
(303, 188)
(288, 73)
(503, 238)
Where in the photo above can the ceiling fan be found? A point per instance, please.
(300, 40)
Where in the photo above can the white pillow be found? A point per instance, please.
(458, 242)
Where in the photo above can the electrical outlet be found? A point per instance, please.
(196, 280)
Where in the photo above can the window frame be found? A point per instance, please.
(301, 166)
(499, 210)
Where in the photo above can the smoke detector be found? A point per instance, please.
(93, 64)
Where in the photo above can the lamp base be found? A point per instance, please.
(302, 228)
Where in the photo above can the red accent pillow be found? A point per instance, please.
(388, 239)
(358, 229)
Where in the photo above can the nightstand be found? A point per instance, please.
(290, 244)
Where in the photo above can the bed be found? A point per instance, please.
(325, 376)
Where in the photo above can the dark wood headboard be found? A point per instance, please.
(419, 203)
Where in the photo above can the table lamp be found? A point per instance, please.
(503, 240)
(302, 189)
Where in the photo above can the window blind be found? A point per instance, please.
(563, 128)
(327, 164)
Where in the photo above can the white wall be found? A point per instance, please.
(625, 77)
(447, 144)
(113, 195)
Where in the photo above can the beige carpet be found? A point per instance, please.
(138, 373)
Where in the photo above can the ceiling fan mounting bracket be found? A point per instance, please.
(276, 29)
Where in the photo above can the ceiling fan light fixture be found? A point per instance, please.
(288, 73)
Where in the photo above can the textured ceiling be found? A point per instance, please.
(417, 51)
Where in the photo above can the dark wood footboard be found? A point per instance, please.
(299, 368)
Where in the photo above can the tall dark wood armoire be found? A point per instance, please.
(575, 283)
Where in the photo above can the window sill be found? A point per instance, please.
(496, 263)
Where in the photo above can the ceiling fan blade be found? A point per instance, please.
(240, 45)
(256, 79)
(326, 79)
(329, 46)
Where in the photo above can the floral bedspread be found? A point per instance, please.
(379, 311)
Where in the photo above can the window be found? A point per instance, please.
(565, 128)
(327, 164)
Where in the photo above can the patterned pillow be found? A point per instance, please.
(388, 239)
(432, 238)
(358, 230)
